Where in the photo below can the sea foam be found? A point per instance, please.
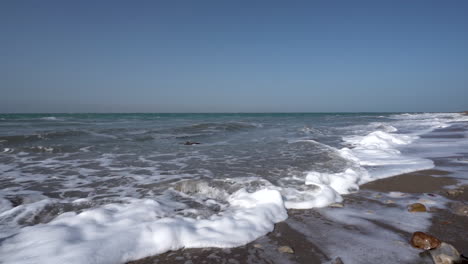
(116, 233)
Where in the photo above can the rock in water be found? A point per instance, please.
(444, 254)
(286, 249)
(189, 143)
(417, 207)
(424, 241)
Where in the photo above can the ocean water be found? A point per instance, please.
(109, 188)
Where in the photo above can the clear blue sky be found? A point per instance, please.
(233, 56)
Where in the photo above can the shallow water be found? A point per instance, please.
(82, 180)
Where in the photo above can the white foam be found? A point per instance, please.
(373, 156)
(321, 197)
(50, 118)
(380, 151)
(116, 233)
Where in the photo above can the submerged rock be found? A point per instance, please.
(15, 201)
(188, 143)
(286, 249)
(417, 208)
(444, 254)
(424, 241)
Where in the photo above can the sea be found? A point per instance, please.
(110, 188)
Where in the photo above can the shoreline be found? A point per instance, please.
(425, 185)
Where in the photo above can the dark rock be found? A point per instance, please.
(424, 241)
(15, 201)
(188, 143)
(417, 208)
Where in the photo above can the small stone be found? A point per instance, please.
(189, 143)
(286, 249)
(424, 241)
(389, 202)
(417, 207)
(444, 254)
(257, 246)
(336, 205)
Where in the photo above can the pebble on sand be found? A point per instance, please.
(417, 208)
(424, 241)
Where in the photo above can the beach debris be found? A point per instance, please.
(417, 208)
(336, 205)
(189, 143)
(286, 249)
(424, 241)
(337, 260)
(459, 209)
(444, 254)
